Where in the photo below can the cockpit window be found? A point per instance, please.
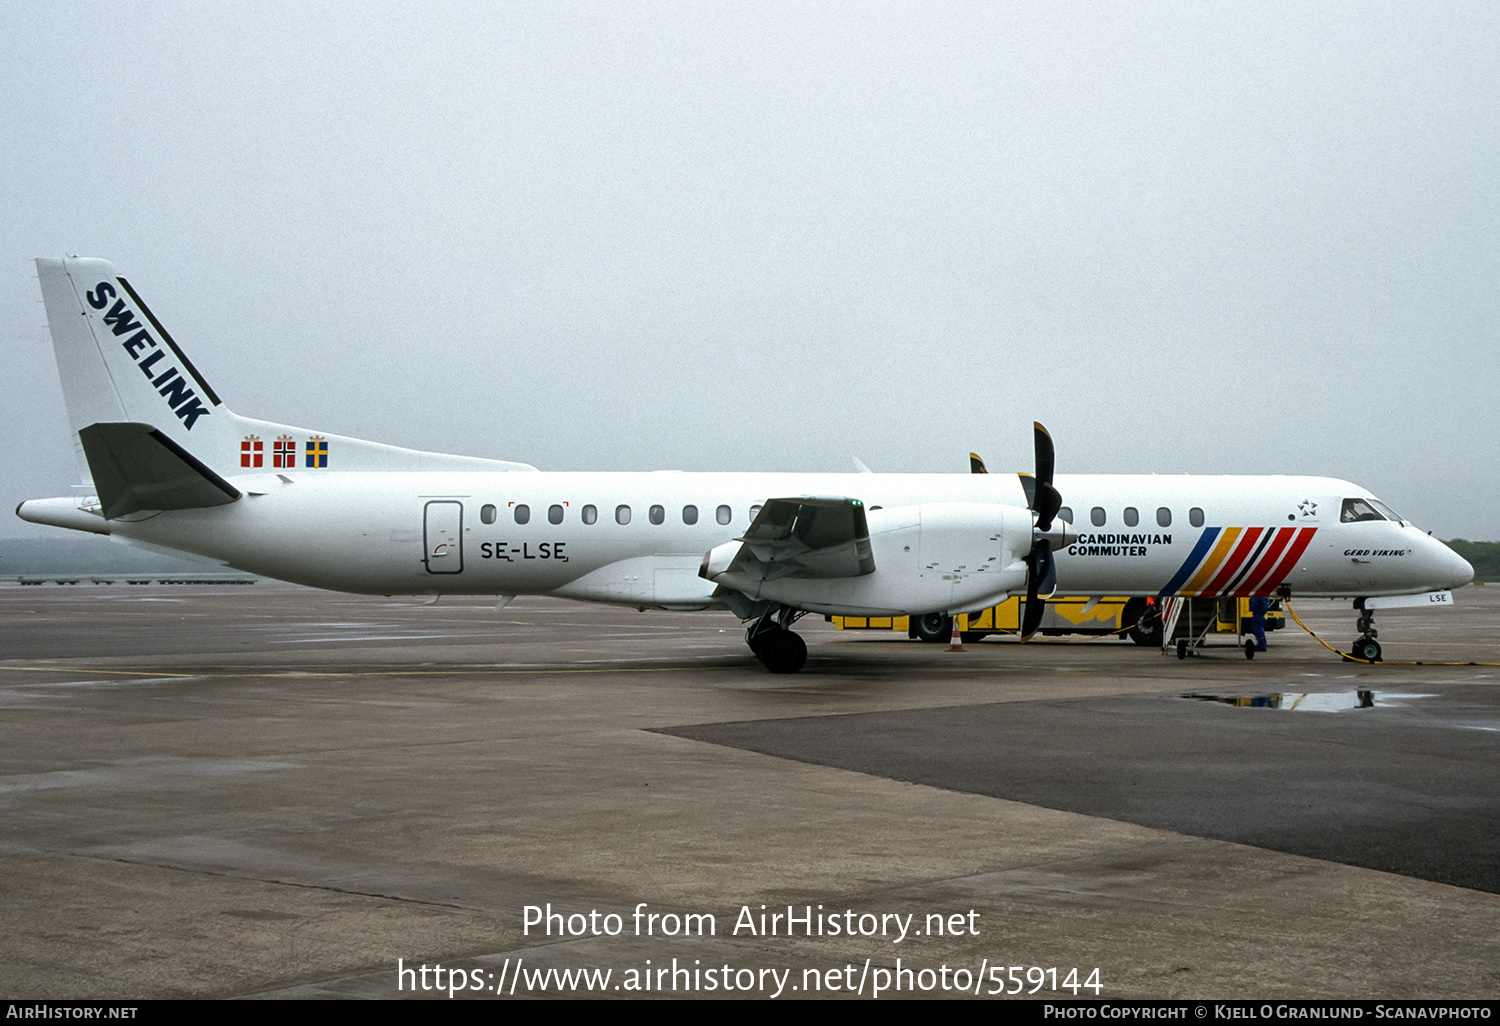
(1359, 510)
(1386, 511)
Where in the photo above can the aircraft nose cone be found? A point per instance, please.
(1447, 568)
(1461, 569)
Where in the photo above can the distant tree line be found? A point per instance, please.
(1484, 556)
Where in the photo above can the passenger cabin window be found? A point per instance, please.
(523, 513)
(657, 514)
(1066, 513)
(754, 512)
(690, 515)
(1163, 517)
(1096, 516)
(590, 514)
(554, 514)
(723, 514)
(622, 514)
(487, 514)
(1358, 510)
(1195, 516)
(1132, 516)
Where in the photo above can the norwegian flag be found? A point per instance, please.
(252, 452)
(284, 452)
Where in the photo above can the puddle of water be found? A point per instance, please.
(1312, 701)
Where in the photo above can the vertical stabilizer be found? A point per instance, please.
(118, 364)
(120, 367)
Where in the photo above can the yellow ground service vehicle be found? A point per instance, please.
(1075, 614)
(1135, 618)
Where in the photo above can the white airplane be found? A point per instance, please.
(174, 469)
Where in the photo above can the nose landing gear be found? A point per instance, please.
(1365, 646)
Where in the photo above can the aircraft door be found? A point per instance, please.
(443, 537)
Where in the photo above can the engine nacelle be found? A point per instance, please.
(936, 557)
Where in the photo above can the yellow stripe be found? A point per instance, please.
(1211, 565)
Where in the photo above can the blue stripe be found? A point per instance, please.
(1205, 542)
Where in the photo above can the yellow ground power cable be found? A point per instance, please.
(1286, 603)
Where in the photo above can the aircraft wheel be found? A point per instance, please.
(1145, 622)
(1367, 649)
(783, 652)
(1250, 649)
(934, 627)
(757, 642)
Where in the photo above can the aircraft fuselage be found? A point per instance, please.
(460, 532)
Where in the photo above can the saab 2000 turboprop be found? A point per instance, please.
(173, 468)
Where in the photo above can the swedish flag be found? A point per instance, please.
(317, 451)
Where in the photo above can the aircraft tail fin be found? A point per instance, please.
(116, 361)
(163, 435)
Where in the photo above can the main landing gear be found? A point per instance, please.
(1144, 617)
(773, 642)
(1365, 646)
(933, 627)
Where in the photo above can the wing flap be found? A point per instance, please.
(806, 537)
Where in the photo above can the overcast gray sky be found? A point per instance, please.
(1198, 237)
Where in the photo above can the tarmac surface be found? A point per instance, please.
(267, 791)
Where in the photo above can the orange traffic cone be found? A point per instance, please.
(957, 643)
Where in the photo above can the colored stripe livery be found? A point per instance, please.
(1240, 561)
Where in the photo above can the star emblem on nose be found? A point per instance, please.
(1308, 507)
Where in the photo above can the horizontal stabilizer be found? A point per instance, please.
(135, 467)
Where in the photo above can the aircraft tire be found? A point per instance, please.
(1367, 649)
(1145, 622)
(783, 652)
(757, 642)
(933, 627)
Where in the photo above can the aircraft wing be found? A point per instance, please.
(804, 537)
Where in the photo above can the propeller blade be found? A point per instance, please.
(1041, 582)
(976, 465)
(1046, 585)
(1028, 485)
(1031, 619)
(1046, 455)
(1044, 500)
(1048, 502)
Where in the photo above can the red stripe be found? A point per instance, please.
(1268, 561)
(1289, 561)
(1236, 558)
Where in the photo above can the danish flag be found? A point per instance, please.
(252, 452)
